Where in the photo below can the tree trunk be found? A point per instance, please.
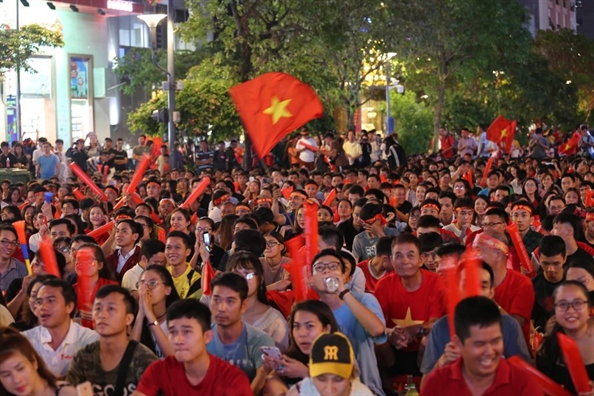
(438, 112)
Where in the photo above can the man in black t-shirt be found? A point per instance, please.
(108, 152)
(7, 159)
(567, 226)
(220, 157)
(403, 207)
(552, 257)
(120, 156)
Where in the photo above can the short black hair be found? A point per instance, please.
(383, 246)
(573, 220)
(348, 256)
(129, 300)
(370, 210)
(475, 311)
(250, 240)
(10, 228)
(72, 202)
(69, 226)
(331, 235)
(428, 221)
(190, 308)
(407, 238)
(150, 247)
(430, 241)
(66, 289)
(451, 248)
(329, 252)
(356, 190)
(265, 215)
(496, 211)
(448, 194)
(181, 235)
(552, 245)
(233, 281)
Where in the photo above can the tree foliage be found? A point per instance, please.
(18, 46)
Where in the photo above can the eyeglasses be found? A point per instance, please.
(493, 224)
(459, 188)
(321, 267)
(271, 244)
(150, 284)
(64, 249)
(8, 243)
(577, 305)
(247, 275)
(203, 229)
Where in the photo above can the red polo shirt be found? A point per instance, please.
(509, 380)
(370, 280)
(516, 296)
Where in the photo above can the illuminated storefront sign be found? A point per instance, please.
(119, 5)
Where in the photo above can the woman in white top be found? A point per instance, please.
(258, 313)
(352, 148)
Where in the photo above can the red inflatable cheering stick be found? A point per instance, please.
(575, 363)
(516, 238)
(448, 266)
(83, 267)
(48, 257)
(87, 180)
(142, 167)
(196, 193)
(549, 387)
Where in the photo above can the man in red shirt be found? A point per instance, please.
(191, 370)
(513, 291)
(481, 369)
(447, 143)
(412, 299)
(378, 267)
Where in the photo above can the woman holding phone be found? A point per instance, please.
(307, 321)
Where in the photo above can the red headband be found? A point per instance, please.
(220, 200)
(430, 205)
(490, 242)
(464, 207)
(263, 200)
(297, 193)
(589, 216)
(522, 207)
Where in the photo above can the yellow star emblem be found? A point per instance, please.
(568, 147)
(407, 321)
(278, 109)
(504, 133)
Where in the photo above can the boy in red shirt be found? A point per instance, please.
(513, 291)
(191, 370)
(481, 370)
(378, 267)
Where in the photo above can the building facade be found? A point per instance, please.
(551, 14)
(74, 90)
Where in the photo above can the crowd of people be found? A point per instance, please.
(150, 291)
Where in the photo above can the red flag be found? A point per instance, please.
(569, 148)
(273, 105)
(502, 130)
(48, 257)
(330, 197)
(298, 269)
(310, 233)
(511, 133)
(207, 276)
(468, 177)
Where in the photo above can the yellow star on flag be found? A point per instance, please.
(407, 321)
(278, 109)
(504, 133)
(568, 147)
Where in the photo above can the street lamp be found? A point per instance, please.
(389, 130)
(152, 20)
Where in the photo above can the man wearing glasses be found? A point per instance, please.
(10, 268)
(151, 252)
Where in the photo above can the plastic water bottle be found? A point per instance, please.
(411, 389)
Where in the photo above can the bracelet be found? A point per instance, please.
(343, 293)
(155, 323)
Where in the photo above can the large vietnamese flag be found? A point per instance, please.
(502, 130)
(273, 105)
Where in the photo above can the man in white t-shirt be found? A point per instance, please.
(58, 337)
(306, 156)
(152, 252)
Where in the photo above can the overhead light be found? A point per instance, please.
(152, 20)
(72, 7)
(25, 3)
(100, 11)
(51, 5)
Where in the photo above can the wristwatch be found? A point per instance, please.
(155, 323)
(343, 293)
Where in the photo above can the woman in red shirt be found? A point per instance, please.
(93, 273)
